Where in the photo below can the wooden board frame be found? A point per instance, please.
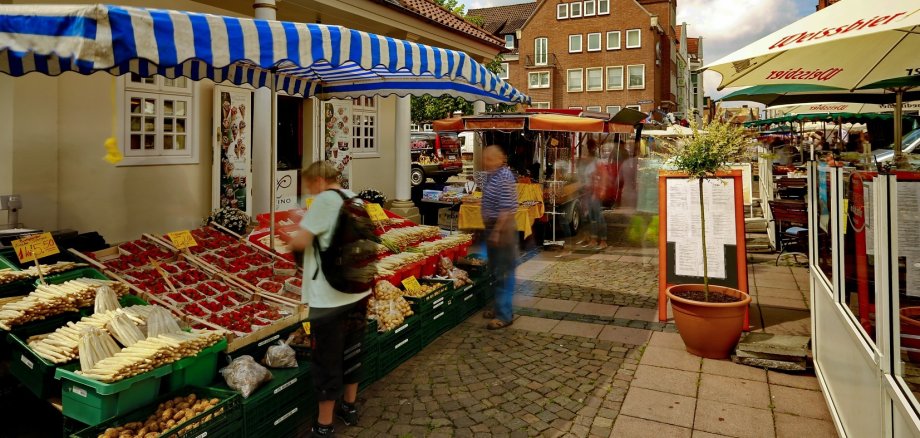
(741, 247)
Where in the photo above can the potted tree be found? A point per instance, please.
(709, 317)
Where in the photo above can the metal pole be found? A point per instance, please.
(898, 102)
(273, 161)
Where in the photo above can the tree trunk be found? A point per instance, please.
(703, 235)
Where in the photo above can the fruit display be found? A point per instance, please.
(151, 353)
(399, 239)
(170, 415)
(31, 273)
(50, 300)
(246, 318)
(388, 306)
(61, 346)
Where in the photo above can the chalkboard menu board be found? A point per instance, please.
(680, 233)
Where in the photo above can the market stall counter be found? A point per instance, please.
(530, 208)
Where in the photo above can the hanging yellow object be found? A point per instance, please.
(113, 154)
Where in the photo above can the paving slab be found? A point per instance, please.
(534, 324)
(555, 305)
(701, 434)
(633, 427)
(731, 369)
(636, 313)
(524, 300)
(735, 391)
(624, 335)
(774, 362)
(577, 328)
(801, 402)
(796, 303)
(657, 406)
(670, 358)
(801, 381)
(733, 420)
(666, 380)
(585, 308)
(783, 345)
(667, 340)
(788, 293)
(792, 426)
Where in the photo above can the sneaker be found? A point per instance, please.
(320, 431)
(348, 413)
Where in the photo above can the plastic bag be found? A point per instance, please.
(245, 375)
(280, 356)
(106, 300)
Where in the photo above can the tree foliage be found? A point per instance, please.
(453, 5)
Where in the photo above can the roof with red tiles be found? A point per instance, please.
(440, 15)
(693, 46)
(503, 20)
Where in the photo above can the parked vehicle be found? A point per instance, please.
(434, 155)
(910, 146)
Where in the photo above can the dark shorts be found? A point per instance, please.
(338, 336)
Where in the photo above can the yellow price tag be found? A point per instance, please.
(411, 284)
(307, 203)
(375, 211)
(182, 239)
(477, 194)
(306, 327)
(34, 247)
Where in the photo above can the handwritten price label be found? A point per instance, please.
(34, 247)
(182, 239)
(307, 203)
(412, 285)
(306, 328)
(375, 211)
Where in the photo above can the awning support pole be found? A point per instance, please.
(273, 160)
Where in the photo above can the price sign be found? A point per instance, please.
(412, 285)
(34, 247)
(306, 328)
(307, 203)
(477, 194)
(182, 239)
(375, 211)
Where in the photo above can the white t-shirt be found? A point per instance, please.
(321, 220)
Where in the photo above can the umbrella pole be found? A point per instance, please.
(273, 162)
(899, 159)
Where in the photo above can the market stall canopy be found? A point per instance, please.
(841, 107)
(823, 117)
(454, 124)
(789, 94)
(848, 45)
(298, 58)
(561, 122)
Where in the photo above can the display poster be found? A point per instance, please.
(337, 125)
(286, 189)
(685, 229)
(233, 148)
(909, 233)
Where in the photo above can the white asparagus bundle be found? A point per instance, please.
(382, 268)
(124, 330)
(151, 353)
(9, 275)
(95, 345)
(50, 300)
(160, 322)
(402, 238)
(61, 346)
(105, 300)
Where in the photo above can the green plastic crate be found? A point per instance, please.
(198, 370)
(466, 302)
(33, 371)
(19, 287)
(287, 385)
(72, 275)
(437, 321)
(434, 299)
(51, 324)
(287, 420)
(92, 402)
(398, 345)
(226, 424)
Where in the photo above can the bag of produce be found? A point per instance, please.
(245, 375)
(280, 355)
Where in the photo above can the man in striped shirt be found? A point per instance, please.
(499, 206)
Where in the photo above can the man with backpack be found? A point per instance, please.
(337, 308)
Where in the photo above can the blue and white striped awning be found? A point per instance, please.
(303, 59)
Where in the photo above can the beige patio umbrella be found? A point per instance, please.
(849, 45)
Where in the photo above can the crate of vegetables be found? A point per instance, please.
(189, 412)
(430, 296)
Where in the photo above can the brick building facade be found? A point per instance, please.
(593, 54)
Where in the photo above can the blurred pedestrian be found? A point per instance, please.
(335, 316)
(499, 207)
(589, 174)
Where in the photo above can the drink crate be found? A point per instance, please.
(223, 420)
(198, 370)
(398, 345)
(287, 386)
(92, 402)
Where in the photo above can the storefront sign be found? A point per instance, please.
(233, 148)
(36, 246)
(285, 190)
(182, 239)
(337, 124)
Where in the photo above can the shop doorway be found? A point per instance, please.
(290, 152)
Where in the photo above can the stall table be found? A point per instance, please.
(470, 216)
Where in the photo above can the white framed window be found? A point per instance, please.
(576, 107)
(574, 78)
(562, 11)
(594, 78)
(540, 50)
(603, 7)
(575, 43)
(613, 109)
(540, 105)
(636, 76)
(575, 10)
(613, 40)
(364, 127)
(503, 71)
(589, 10)
(615, 78)
(509, 41)
(594, 42)
(634, 107)
(158, 125)
(633, 38)
(538, 79)
(596, 109)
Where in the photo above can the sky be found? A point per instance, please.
(725, 25)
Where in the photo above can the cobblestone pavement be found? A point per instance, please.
(623, 280)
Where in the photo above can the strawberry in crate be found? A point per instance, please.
(284, 267)
(271, 286)
(177, 297)
(212, 305)
(193, 294)
(196, 310)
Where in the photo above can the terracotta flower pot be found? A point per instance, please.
(910, 326)
(709, 330)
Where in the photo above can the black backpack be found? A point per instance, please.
(343, 255)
